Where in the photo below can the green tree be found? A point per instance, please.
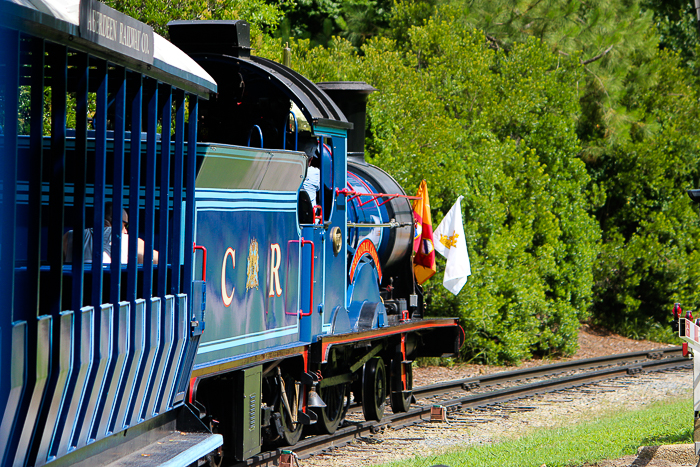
(677, 27)
(650, 253)
(263, 17)
(320, 20)
(532, 242)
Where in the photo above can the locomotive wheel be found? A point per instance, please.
(330, 416)
(291, 432)
(400, 401)
(374, 389)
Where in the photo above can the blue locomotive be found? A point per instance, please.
(263, 280)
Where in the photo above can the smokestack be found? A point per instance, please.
(351, 98)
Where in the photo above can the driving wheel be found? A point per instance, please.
(289, 431)
(374, 389)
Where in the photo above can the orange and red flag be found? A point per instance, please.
(424, 259)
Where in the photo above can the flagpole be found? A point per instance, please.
(413, 273)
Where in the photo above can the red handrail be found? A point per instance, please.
(204, 259)
(311, 298)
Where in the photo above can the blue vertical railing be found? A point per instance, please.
(119, 78)
(38, 337)
(62, 326)
(166, 113)
(91, 349)
(80, 180)
(36, 167)
(120, 319)
(188, 273)
(178, 187)
(76, 380)
(151, 407)
(178, 184)
(57, 187)
(9, 54)
(152, 306)
(100, 178)
(103, 319)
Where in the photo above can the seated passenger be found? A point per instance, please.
(106, 241)
(312, 182)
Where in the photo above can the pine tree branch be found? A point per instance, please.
(494, 43)
(597, 57)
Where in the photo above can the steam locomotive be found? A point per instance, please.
(264, 280)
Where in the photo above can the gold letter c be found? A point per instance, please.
(227, 298)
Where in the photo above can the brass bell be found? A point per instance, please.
(313, 399)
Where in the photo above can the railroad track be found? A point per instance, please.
(578, 373)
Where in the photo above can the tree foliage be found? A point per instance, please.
(263, 17)
(676, 24)
(649, 258)
(320, 20)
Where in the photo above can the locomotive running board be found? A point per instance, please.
(320, 350)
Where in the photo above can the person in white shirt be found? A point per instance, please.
(106, 241)
(312, 182)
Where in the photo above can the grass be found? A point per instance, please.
(605, 437)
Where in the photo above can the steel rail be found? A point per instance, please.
(545, 370)
(539, 371)
(551, 385)
(638, 362)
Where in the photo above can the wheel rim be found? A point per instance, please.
(329, 417)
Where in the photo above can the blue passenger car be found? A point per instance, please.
(97, 112)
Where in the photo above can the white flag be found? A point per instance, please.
(449, 241)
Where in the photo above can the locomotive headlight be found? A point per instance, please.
(337, 239)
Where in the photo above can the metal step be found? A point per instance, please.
(177, 449)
